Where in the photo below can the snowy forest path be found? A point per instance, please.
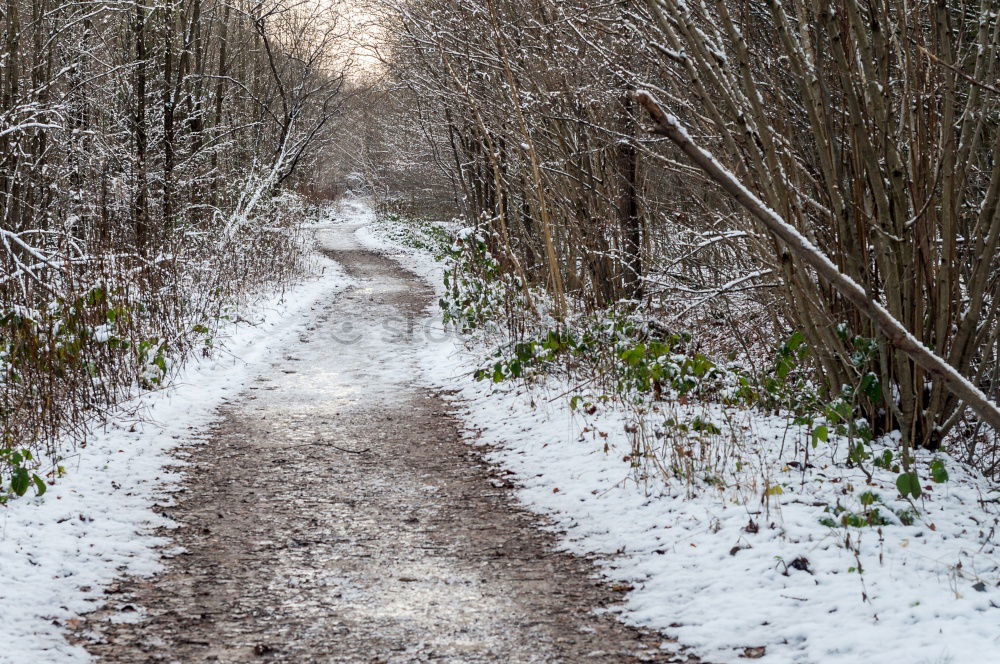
(334, 514)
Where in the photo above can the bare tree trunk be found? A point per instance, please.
(629, 204)
(140, 205)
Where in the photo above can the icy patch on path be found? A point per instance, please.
(59, 552)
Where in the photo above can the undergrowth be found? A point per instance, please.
(119, 325)
(690, 416)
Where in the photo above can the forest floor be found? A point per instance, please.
(335, 486)
(332, 512)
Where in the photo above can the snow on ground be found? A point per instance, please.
(722, 566)
(742, 563)
(59, 552)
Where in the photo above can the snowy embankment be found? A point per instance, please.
(734, 562)
(60, 551)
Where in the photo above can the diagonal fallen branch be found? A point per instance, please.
(894, 331)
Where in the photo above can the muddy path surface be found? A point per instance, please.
(333, 514)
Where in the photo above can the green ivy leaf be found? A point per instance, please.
(784, 366)
(938, 472)
(838, 411)
(820, 433)
(871, 387)
(19, 481)
(796, 340)
(908, 485)
(39, 485)
(524, 351)
(884, 461)
(633, 356)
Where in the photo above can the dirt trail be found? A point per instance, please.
(334, 514)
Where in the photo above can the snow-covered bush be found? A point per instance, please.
(65, 361)
(151, 162)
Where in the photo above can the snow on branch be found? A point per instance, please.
(895, 333)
